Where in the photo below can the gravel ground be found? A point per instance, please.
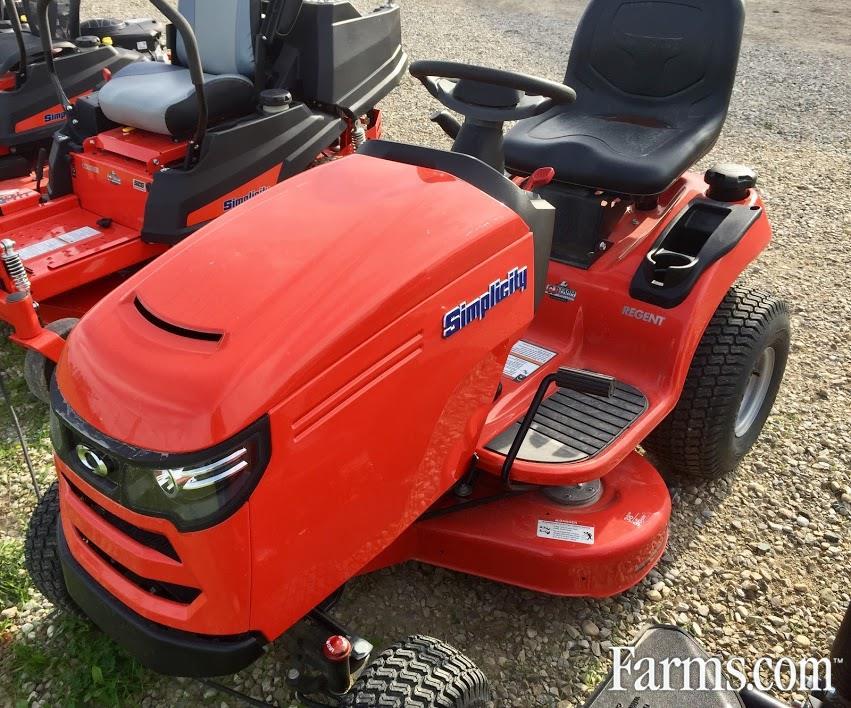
(758, 564)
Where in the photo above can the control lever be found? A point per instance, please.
(40, 162)
(539, 178)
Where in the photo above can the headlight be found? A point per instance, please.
(194, 490)
(185, 480)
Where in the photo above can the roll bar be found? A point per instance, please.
(42, 10)
(15, 19)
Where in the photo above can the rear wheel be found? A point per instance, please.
(730, 388)
(38, 369)
(420, 672)
(41, 557)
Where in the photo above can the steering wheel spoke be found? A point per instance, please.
(446, 80)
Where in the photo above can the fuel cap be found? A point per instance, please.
(729, 182)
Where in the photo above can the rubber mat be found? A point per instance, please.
(571, 426)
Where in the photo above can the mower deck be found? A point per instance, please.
(527, 539)
(60, 240)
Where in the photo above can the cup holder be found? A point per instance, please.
(669, 267)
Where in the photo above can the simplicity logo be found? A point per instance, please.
(50, 117)
(713, 674)
(466, 312)
(236, 201)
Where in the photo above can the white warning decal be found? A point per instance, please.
(54, 244)
(518, 369)
(525, 359)
(563, 531)
(532, 352)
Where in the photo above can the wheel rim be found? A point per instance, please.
(755, 392)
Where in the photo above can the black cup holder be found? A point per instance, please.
(668, 268)
(704, 232)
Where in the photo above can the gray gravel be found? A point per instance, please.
(757, 564)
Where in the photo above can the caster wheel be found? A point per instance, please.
(38, 369)
(41, 558)
(730, 388)
(420, 672)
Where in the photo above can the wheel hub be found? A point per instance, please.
(755, 392)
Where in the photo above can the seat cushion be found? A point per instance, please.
(623, 154)
(160, 98)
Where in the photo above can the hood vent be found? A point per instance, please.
(174, 328)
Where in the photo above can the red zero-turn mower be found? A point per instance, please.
(162, 149)
(29, 112)
(453, 366)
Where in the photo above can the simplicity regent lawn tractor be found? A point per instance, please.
(257, 92)
(407, 354)
(81, 51)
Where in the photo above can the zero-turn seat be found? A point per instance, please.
(653, 81)
(160, 98)
(64, 28)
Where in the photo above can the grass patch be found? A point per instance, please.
(83, 665)
(14, 581)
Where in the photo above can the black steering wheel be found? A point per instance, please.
(463, 89)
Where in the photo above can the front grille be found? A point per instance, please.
(150, 539)
(159, 588)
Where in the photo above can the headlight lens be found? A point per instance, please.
(185, 480)
(194, 490)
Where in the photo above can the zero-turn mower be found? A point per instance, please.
(82, 51)
(453, 366)
(257, 92)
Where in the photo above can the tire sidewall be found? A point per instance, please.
(38, 369)
(777, 335)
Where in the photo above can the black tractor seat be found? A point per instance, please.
(653, 82)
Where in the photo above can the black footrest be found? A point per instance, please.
(571, 426)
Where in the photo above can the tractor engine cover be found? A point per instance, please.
(366, 306)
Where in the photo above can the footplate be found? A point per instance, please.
(570, 426)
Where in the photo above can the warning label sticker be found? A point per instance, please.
(54, 244)
(563, 531)
(516, 368)
(525, 359)
(532, 352)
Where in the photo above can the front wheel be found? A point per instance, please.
(420, 672)
(730, 388)
(41, 556)
(38, 369)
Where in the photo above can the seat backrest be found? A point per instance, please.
(63, 15)
(225, 32)
(649, 56)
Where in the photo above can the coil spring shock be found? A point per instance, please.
(14, 266)
(358, 133)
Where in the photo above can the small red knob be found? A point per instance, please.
(337, 648)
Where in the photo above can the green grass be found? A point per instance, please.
(85, 668)
(14, 581)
